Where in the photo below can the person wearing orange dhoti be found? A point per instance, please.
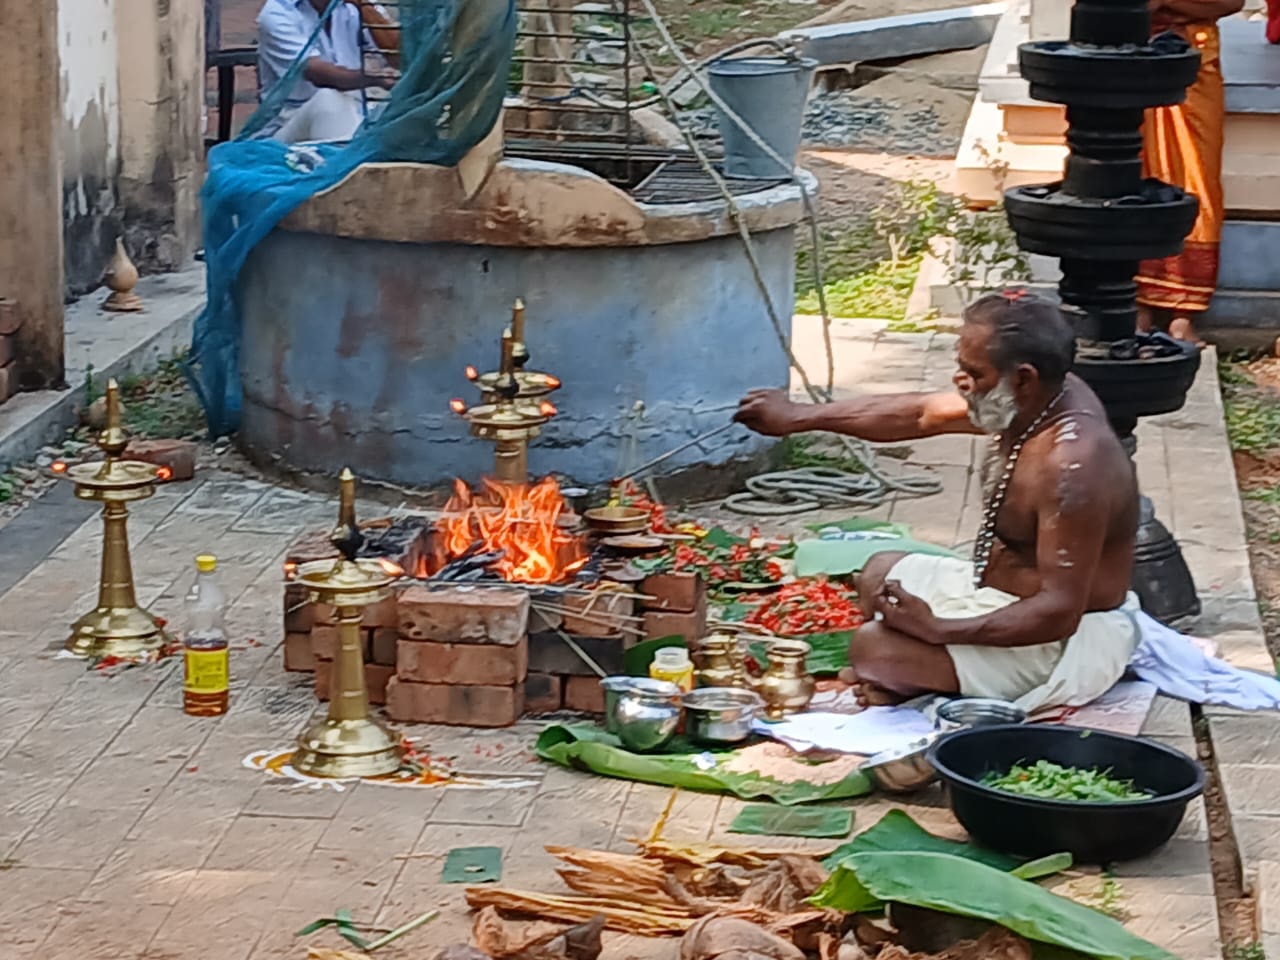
(1182, 145)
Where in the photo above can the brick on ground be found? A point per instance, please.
(454, 704)
(543, 693)
(488, 616)
(178, 455)
(467, 664)
(583, 694)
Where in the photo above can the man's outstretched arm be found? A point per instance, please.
(881, 418)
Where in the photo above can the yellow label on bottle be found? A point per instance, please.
(207, 671)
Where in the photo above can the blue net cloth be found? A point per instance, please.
(455, 59)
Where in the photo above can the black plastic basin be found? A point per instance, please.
(1090, 832)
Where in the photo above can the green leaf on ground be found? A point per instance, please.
(897, 832)
(769, 820)
(951, 884)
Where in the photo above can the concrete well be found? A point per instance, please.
(363, 308)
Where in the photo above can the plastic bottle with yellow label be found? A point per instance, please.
(673, 665)
(205, 655)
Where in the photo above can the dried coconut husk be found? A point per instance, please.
(997, 943)
(500, 938)
(665, 892)
(722, 937)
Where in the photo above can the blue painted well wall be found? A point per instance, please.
(353, 348)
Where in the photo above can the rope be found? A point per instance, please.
(793, 491)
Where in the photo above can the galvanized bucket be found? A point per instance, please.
(769, 93)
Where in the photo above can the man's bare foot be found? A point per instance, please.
(1181, 328)
(869, 694)
(1146, 319)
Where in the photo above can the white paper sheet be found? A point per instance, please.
(872, 731)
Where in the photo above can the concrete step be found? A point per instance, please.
(906, 35)
(109, 345)
(1006, 128)
(1245, 312)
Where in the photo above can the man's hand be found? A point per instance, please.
(907, 613)
(769, 412)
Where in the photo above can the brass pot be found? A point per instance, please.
(786, 686)
(720, 662)
(617, 519)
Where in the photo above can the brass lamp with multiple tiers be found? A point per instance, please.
(117, 626)
(348, 743)
(514, 407)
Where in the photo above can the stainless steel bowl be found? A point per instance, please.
(904, 770)
(644, 714)
(720, 716)
(965, 712)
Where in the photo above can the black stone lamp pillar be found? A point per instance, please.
(1101, 219)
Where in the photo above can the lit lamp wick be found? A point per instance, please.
(547, 408)
(472, 373)
(553, 383)
(457, 406)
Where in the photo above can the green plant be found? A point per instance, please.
(1267, 495)
(806, 451)
(881, 292)
(1252, 413)
(10, 484)
(1246, 951)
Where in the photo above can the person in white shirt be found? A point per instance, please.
(325, 103)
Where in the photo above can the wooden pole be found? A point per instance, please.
(31, 271)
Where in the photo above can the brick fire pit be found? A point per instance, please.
(480, 655)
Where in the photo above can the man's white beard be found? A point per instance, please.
(993, 411)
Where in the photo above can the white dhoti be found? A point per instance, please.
(1058, 673)
(330, 115)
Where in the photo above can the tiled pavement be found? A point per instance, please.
(133, 831)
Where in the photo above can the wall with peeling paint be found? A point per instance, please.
(90, 144)
(353, 348)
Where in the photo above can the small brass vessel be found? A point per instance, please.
(348, 743)
(117, 626)
(786, 685)
(720, 662)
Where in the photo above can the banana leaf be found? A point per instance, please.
(897, 832)
(965, 887)
(828, 652)
(583, 747)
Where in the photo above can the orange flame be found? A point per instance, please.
(58, 466)
(472, 373)
(547, 408)
(164, 473)
(457, 406)
(553, 383)
(290, 569)
(519, 519)
(390, 567)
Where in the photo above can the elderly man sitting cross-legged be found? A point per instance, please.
(1043, 615)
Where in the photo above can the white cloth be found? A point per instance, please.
(284, 26)
(328, 116)
(1180, 668)
(1057, 673)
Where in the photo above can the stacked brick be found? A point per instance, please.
(9, 320)
(480, 656)
(604, 628)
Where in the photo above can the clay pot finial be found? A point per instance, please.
(122, 277)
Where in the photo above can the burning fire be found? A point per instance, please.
(519, 520)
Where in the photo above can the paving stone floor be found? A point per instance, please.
(129, 830)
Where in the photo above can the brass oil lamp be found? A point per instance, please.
(514, 407)
(117, 626)
(348, 743)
